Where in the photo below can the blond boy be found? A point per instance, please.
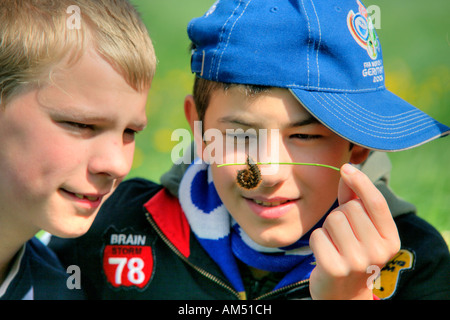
(74, 77)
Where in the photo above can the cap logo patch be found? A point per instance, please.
(363, 31)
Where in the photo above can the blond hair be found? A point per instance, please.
(37, 34)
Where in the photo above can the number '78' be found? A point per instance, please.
(135, 265)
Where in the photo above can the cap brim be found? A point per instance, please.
(378, 120)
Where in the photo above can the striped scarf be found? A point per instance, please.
(224, 240)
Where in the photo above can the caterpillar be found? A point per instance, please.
(249, 178)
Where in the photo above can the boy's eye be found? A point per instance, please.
(77, 125)
(237, 138)
(130, 135)
(306, 136)
(131, 132)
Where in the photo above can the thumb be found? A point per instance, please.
(345, 193)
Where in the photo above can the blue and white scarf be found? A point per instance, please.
(225, 240)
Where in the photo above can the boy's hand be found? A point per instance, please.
(358, 234)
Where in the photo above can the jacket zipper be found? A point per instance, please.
(182, 257)
(212, 277)
(283, 289)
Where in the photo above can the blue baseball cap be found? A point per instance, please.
(327, 53)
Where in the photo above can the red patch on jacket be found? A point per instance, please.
(128, 265)
(167, 213)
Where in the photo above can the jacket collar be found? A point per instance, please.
(166, 212)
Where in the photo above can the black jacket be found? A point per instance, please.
(141, 247)
(36, 274)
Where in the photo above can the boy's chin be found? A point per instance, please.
(279, 240)
(72, 228)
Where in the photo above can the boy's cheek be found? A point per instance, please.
(317, 180)
(319, 190)
(224, 178)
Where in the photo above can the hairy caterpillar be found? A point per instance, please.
(249, 178)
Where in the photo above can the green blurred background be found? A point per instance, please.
(416, 49)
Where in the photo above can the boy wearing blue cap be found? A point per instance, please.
(312, 73)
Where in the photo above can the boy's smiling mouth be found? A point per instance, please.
(270, 208)
(270, 203)
(89, 200)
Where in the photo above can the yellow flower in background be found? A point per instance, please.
(400, 81)
(427, 93)
(138, 158)
(446, 236)
(162, 140)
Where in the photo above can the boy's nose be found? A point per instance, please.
(275, 173)
(111, 157)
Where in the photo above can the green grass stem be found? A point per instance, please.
(291, 163)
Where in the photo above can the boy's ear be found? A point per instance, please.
(191, 114)
(190, 111)
(359, 154)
